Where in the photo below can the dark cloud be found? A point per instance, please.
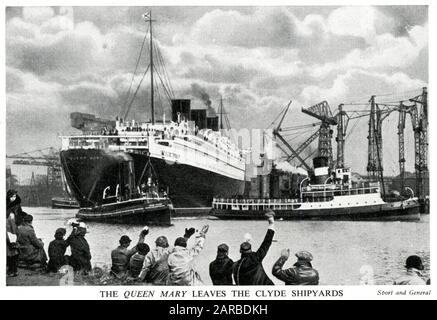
(406, 16)
(71, 53)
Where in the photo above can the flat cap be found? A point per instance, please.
(223, 248)
(245, 247)
(304, 255)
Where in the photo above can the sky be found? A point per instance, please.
(66, 59)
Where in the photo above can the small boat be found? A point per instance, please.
(64, 203)
(132, 202)
(142, 210)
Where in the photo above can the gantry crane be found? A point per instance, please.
(322, 112)
(48, 157)
(401, 142)
(419, 119)
(378, 113)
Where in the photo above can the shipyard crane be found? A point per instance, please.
(276, 133)
(42, 157)
(304, 145)
(419, 118)
(378, 113)
(401, 142)
(342, 122)
(322, 112)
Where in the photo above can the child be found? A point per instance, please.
(57, 250)
(137, 260)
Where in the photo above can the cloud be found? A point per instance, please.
(385, 51)
(365, 22)
(269, 27)
(65, 59)
(356, 83)
(37, 15)
(69, 51)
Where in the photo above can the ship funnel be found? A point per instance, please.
(182, 106)
(321, 169)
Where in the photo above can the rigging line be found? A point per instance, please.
(306, 126)
(163, 85)
(166, 76)
(358, 98)
(136, 91)
(353, 128)
(395, 101)
(277, 117)
(135, 71)
(297, 132)
(155, 81)
(160, 70)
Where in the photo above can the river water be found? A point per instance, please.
(340, 248)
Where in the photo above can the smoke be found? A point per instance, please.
(118, 155)
(287, 167)
(200, 92)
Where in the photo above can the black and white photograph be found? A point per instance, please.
(183, 145)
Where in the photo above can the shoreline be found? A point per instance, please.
(28, 277)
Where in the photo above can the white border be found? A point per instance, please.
(91, 293)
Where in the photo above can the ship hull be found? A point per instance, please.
(395, 211)
(64, 203)
(89, 171)
(134, 212)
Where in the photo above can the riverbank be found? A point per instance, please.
(27, 277)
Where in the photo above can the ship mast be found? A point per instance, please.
(152, 102)
(221, 113)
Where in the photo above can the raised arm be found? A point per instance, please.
(200, 240)
(267, 242)
(141, 238)
(278, 272)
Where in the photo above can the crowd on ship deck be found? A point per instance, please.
(164, 264)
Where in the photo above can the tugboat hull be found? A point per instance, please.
(408, 210)
(133, 211)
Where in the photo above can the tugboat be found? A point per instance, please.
(64, 203)
(330, 197)
(131, 203)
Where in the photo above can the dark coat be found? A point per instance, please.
(57, 256)
(15, 208)
(31, 248)
(249, 269)
(136, 264)
(80, 258)
(120, 259)
(301, 274)
(220, 270)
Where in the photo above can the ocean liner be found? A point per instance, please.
(192, 159)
